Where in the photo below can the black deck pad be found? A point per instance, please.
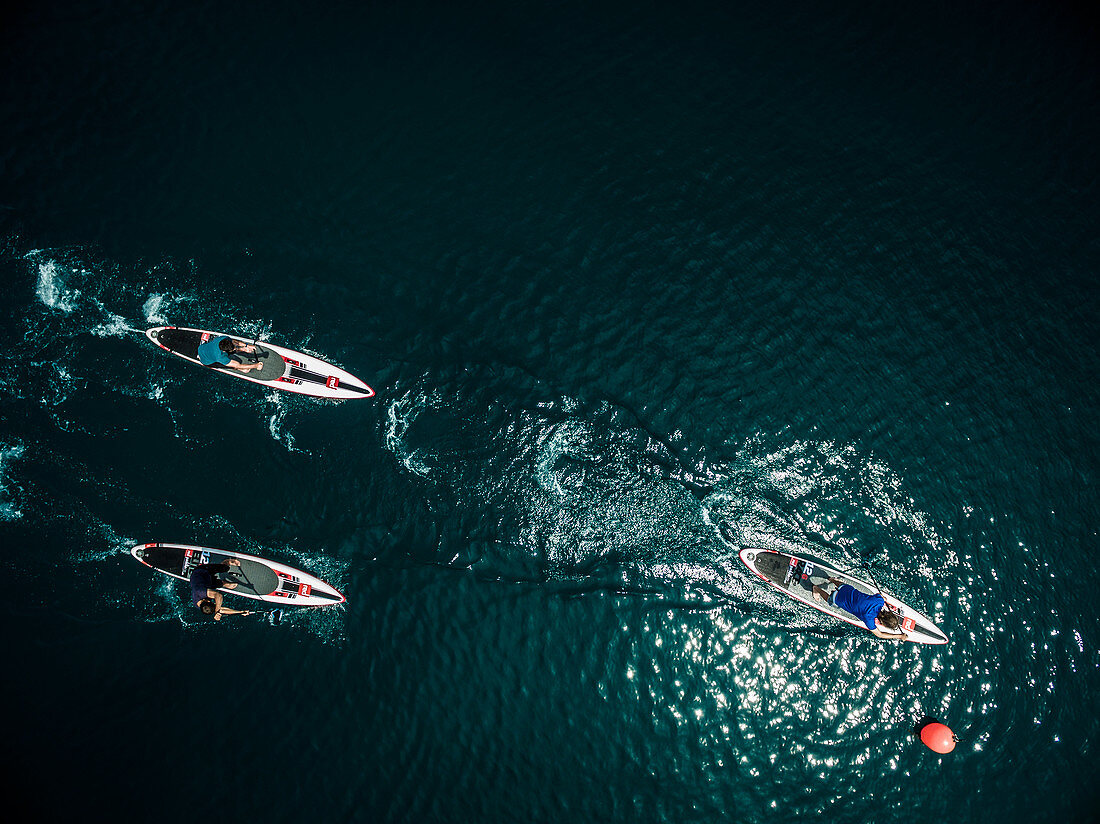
(273, 368)
(773, 566)
(169, 560)
(251, 577)
(183, 341)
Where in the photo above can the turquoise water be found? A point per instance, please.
(627, 280)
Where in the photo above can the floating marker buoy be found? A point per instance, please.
(938, 737)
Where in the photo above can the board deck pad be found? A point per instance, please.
(255, 578)
(273, 364)
(804, 576)
(252, 577)
(773, 566)
(181, 341)
(797, 575)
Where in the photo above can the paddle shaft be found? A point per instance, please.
(863, 564)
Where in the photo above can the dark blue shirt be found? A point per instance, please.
(860, 604)
(202, 579)
(210, 354)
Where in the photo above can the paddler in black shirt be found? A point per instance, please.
(204, 594)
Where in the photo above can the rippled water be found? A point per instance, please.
(636, 287)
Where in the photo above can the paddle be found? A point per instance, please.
(253, 356)
(276, 614)
(863, 564)
(870, 575)
(878, 591)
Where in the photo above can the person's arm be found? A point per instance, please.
(228, 611)
(219, 610)
(890, 636)
(236, 364)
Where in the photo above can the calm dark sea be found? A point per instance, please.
(626, 276)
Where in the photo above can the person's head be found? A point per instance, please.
(207, 606)
(228, 345)
(889, 619)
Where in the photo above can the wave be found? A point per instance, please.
(280, 404)
(10, 509)
(549, 489)
(76, 294)
(401, 413)
(100, 295)
(556, 490)
(51, 289)
(827, 497)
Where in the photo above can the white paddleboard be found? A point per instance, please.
(282, 368)
(256, 578)
(796, 575)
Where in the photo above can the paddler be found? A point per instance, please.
(871, 609)
(204, 593)
(222, 351)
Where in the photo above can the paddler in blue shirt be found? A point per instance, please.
(871, 609)
(221, 351)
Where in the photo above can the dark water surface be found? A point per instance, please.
(627, 277)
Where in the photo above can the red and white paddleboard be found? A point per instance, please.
(796, 575)
(256, 578)
(282, 368)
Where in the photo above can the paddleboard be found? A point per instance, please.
(796, 575)
(282, 368)
(256, 578)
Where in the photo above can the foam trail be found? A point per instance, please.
(400, 414)
(276, 422)
(52, 290)
(9, 511)
(152, 308)
(114, 327)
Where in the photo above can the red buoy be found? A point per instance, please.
(938, 737)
